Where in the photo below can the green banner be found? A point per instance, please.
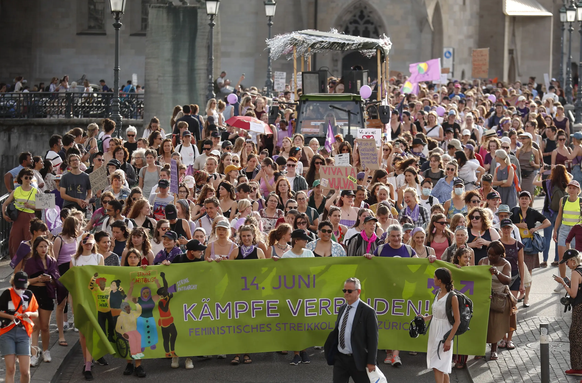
(259, 305)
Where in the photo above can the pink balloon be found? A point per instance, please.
(365, 91)
(492, 98)
(232, 98)
(440, 111)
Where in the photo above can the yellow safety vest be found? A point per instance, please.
(21, 197)
(571, 212)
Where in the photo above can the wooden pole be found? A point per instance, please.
(302, 64)
(295, 71)
(379, 86)
(309, 60)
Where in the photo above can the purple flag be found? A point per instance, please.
(330, 138)
(425, 71)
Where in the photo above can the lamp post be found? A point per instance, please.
(270, 8)
(117, 9)
(563, 21)
(570, 18)
(579, 95)
(212, 11)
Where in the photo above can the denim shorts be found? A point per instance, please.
(563, 234)
(15, 342)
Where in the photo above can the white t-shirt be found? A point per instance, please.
(87, 260)
(188, 153)
(54, 158)
(306, 254)
(467, 172)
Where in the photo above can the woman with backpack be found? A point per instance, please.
(573, 260)
(441, 360)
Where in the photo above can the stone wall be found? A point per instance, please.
(32, 135)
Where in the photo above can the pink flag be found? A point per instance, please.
(330, 138)
(425, 71)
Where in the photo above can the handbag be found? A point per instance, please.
(533, 245)
(12, 211)
(498, 302)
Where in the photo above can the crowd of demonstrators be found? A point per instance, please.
(63, 84)
(456, 183)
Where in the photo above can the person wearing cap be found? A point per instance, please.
(231, 173)
(504, 212)
(572, 259)
(366, 241)
(188, 151)
(529, 160)
(456, 202)
(504, 179)
(18, 309)
(171, 249)
(178, 225)
(407, 228)
(465, 137)
(222, 248)
(451, 123)
(215, 138)
(317, 200)
(161, 199)
(194, 253)
(452, 146)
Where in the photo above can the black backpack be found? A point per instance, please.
(465, 311)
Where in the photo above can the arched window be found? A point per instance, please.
(362, 24)
(96, 15)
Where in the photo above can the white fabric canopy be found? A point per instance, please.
(524, 8)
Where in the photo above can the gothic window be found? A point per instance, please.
(144, 14)
(96, 15)
(362, 24)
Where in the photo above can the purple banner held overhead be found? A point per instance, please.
(174, 177)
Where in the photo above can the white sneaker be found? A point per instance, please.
(66, 326)
(46, 356)
(189, 365)
(35, 359)
(559, 288)
(396, 362)
(388, 359)
(175, 362)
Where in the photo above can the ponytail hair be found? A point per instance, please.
(445, 277)
(276, 234)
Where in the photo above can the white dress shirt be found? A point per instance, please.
(348, 333)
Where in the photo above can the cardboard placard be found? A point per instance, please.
(280, 78)
(368, 153)
(376, 134)
(45, 201)
(256, 127)
(338, 177)
(174, 177)
(98, 179)
(342, 159)
(480, 60)
(299, 82)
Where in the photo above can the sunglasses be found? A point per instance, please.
(106, 202)
(291, 165)
(475, 217)
(235, 161)
(450, 169)
(326, 231)
(318, 163)
(99, 159)
(131, 135)
(507, 147)
(561, 139)
(442, 223)
(301, 223)
(228, 148)
(27, 178)
(164, 228)
(348, 291)
(206, 148)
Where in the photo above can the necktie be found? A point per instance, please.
(343, 329)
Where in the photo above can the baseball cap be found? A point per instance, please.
(163, 183)
(114, 162)
(505, 140)
(215, 134)
(521, 98)
(456, 143)
(574, 183)
(526, 135)
(171, 211)
(577, 135)
(370, 218)
(171, 234)
(569, 254)
(466, 132)
(361, 175)
(347, 192)
(407, 226)
(452, 112)
(190, 182)
(195, 245)
(300, 234)
(186, 133)
(493, 195)
(20, 280)
(457, 85)
(223, 224)
(226, 144)
(469, 146)
(449, 130)
(503, 209)
(505, 222)
(525, 193)
(316, 183)
(230, 168)
(215, 153)
(417, 141)
(458, 181)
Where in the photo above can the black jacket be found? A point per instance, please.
(364, 337)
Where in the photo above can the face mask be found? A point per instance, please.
(459, 191)
(19, 291)
(426, 191)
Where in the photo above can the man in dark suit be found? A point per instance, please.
(353, 344)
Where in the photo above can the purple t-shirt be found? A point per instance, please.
(388, 251)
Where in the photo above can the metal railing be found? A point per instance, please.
(5, 227)
(69, 105)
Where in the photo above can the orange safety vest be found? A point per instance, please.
(26, 322)
(166, 318)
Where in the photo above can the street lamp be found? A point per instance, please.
(270, 8)
(570, 18)
(117, 9)
(563, 21)
(579, 95)
(212, 11)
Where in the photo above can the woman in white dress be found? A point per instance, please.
(441, 361)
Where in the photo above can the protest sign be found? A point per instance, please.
(299, 82)
(339, 177)
(262, 305)
(257, 127)
(98, 179)
(174, 177)
(480, 62)
(280, 78)
(342, 159)
(45, 201)
(368, 153)
(376, 134)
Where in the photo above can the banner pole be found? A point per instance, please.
(295, 70)
(379, 86)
